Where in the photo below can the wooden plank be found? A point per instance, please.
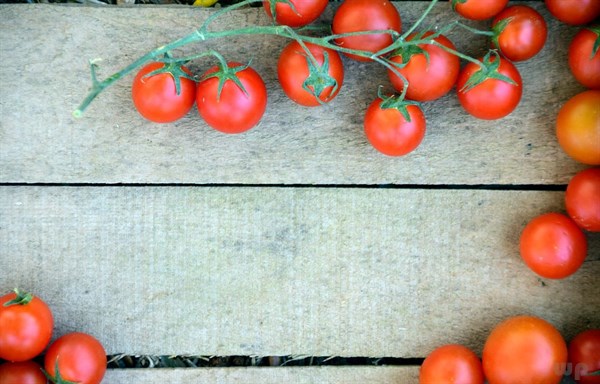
(285, 271)
(296, 375)
(44, 76)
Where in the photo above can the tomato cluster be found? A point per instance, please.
(521, 349)
(26, 324)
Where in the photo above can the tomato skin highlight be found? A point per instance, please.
(525, 34)
(293, 70)
(451, 364)
(24, 372)
(584, 67)
(553, 246)
(574, 12)
(582, 199)
(492, 99)
(155, 97)
(480, 9)
(524, 349)
(578, 127)
(390, 133)
(307, 11)
(81, 358)
(25, 330)
(365, 15)
(427, 81)
(234, 112)
(584, 356)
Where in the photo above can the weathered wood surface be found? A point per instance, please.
(285, 271)
(295, 375)
(44, 75)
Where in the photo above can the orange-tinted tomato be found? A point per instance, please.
(582, 199)
(578, 127)
(451, 364)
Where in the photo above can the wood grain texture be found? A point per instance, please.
(285, 271)
(44, 76)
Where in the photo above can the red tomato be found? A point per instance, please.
(584, 66)
(234, 111)
(524, 349)
(574, 12)
(24, 372)
(553, 246)
(366, 15)
(451, 364)
(303, 13)
(578, 127)
(584, 356)
(520, 32)
(295, 74)
(155, 97)
(79, 356)
(25, 327)
(478, 9)
(582, 199)
(390, 132)
(428, 78)
(493, 98)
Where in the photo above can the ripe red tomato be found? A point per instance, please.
(493, 98)
(303, 13)
(388, 130)
(584, 356)
(553, 246)
(520, 32)
(574, 12)
(80, 358)
(366, 15)
(451, 364)
(584, 66)
(524, 349)
(478, 9)
(578, 127)
(25, 326)
(301, 79)
(582, 199)
(155, 97)
(430, 77)
(234, 111)
(24, 372)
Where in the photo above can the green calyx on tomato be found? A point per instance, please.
(396, 102)
(273, 5)
(225, 73)
(456, 2)
(173, 68)
(489, 66)
(410, 49)
(498, 28)
(319, 78)
(23, 298)
(57, 379)
(596, 30)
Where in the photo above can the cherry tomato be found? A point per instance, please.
(24, 372)
(584, 356)
(584, 66)
(451, 364)
(155, 97)
(295, 74)
(25, 326)
(233, 111)
(478, 9)
(582, 199)
(80, 358)
(366, 15)
(553, 246)
(493, 98)
(574, 12)
(520, 32)
(524, 349)
(578, 127)
(430, 77)
(303, 13)
(388, 130)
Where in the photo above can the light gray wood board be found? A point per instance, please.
(44, 75)
(285, 271)
(277, 375)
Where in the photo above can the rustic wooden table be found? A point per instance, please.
(295, 238)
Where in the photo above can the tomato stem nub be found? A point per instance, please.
(23, 298)
(57, 379)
